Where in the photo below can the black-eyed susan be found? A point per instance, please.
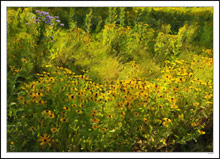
(95, 120)
(181, 117)
(161, 106)
(63, 120)
(161, 95)
(186, 89)
(174, 89)
(109, 116)
(180, 79)
(42, 102)
(136, 113)
(103, 129)
(63, 113)
(122, 113)
(66, 108)
(81, 105)
(53, 130)
(20, 98)
(172, 100)
(78, 111)
(51, 116)
(94, 126)
(45, 139)
(94, 113)
(166, 121)
(31, 128)
(145, 120)
(165, 124)
(196, 104)
(201, 132)
(74, 105)
(39, 94)
(174, 106)
(140, 128)
(47, 112)
(194, 124)
(91, 98)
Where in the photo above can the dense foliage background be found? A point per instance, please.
(110, 79)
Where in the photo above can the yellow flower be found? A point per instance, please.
(180, 79)
(44, 139)
(193, 124)
(208, 102)
(63, 120)
(42, 102)
(94, 120)
(145, 120)
(66, 108)
(51, 116)
(136, 113)
(20, 98)
(172, 100)
(110, 116)
(23, 60)
(165, 124)
(208, 96)
(122, 114)
(53, 130)
(196, 104)
(166, 121)
(72, 97)
(198, 89)
(181, 117)
(174, 106)
(78, 111)
(104, 129)
(94, 126)
(94, 112)
(140, 128)
(48, 65)
(47, 112)
(201, 132)
(31, 128)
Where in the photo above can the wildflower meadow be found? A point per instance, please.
(110, 79)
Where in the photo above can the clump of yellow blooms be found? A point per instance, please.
(67, 99)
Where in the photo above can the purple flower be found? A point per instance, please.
(58, 21)
(27, 23)
(47, 22)
(56, 17)
(37, 20)
(41, 13)
(48, 17)
(51, 37)
(44, 13)
(61, 24)
(37, 11)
